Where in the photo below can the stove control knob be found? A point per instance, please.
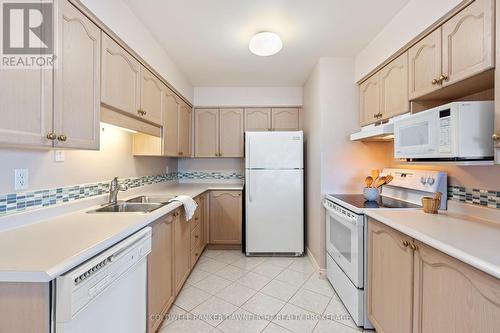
(431, 180)
(423, 180)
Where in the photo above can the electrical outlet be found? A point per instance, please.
(59, 155)
(21, 179)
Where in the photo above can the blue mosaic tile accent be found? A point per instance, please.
(19, 202)
(486, 198)
(201, 175)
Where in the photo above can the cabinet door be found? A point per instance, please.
(120, 78)
(206, 218)
(225, 217)
(257, 119)
(390, 279)
(468, 45)
(77, 80)
(206, 132)
(369, 100)
(285, 119)
(185, 119)
(425, 65)
(152, 96)
(182, 250)
(231, 132)
(171, 124)
(451, 296)
(160, 272)
(394, 87)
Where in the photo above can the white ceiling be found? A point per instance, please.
(208, 39)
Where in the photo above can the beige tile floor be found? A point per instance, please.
(228, 292)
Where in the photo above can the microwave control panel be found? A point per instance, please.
(445, 131)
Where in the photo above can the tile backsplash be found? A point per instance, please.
(487, 198)
(18, 202)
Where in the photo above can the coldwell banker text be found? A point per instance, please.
(27, 34)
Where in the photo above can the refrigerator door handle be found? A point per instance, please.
(249, 179)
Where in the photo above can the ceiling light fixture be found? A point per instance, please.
(265, 44)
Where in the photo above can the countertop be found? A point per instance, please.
(471, 240)
(42, 251)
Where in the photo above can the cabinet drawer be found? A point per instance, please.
(195, 237)
(195, 255)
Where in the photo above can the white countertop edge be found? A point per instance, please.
(77, 259)
(438, 245)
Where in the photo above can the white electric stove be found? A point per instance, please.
(347, 230)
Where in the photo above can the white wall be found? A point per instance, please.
(80, 167)
(334, 164)
(414, 18)
(248, 96)
(122, 21)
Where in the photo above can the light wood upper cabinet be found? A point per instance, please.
(152, 97)
(231, 132)
(121, 78)
(258, 119)
(425, 65)
(206, 126)
(225, 217)
(369, 100)
(26, 107)
(171, 124)
(161, 290)
(185, 126)
(451, 296)
(77, 81)
(390, 279)
(285, 119)
(394, 88)
(182, 250)
(468, 44)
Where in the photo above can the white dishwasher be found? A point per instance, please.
(108, 292)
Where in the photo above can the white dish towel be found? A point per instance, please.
(189, 205)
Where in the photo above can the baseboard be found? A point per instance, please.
(223, 247)
(322, 271)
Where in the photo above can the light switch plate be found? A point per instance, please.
(21, 179)
(59, 155)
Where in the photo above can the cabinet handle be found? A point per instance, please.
(495, 137)
(141, 112)
(413, 246)
(52, 136)
(181, 153)
(443, 77)
(62, 138)
(196, 219)
(435, 81)
(196, 236)
(406, 243)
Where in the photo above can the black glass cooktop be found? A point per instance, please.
(359, 201)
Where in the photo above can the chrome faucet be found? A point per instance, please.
(114, 188)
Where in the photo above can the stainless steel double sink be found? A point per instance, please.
(141, 204)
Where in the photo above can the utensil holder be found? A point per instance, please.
(371, 193)
(431, 205)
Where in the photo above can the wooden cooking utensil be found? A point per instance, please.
(368, 181)
(375, 174)
(388, 179)
(379, 182)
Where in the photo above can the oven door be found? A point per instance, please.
(344, 240)
(417, 136)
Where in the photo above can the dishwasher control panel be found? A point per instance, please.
(81, 285)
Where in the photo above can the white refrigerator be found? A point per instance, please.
(274, 193)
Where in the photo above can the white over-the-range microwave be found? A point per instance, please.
(456, 131)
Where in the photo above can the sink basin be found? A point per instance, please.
(129, 207)
(150, 199)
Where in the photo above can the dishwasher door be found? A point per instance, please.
(108, 293)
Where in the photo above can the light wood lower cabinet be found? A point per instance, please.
(205, 217)
(390, 280)
(451, 296)
(415, 288)
(25, 307)
(161, 289)
(225, 217)
(182, 250)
